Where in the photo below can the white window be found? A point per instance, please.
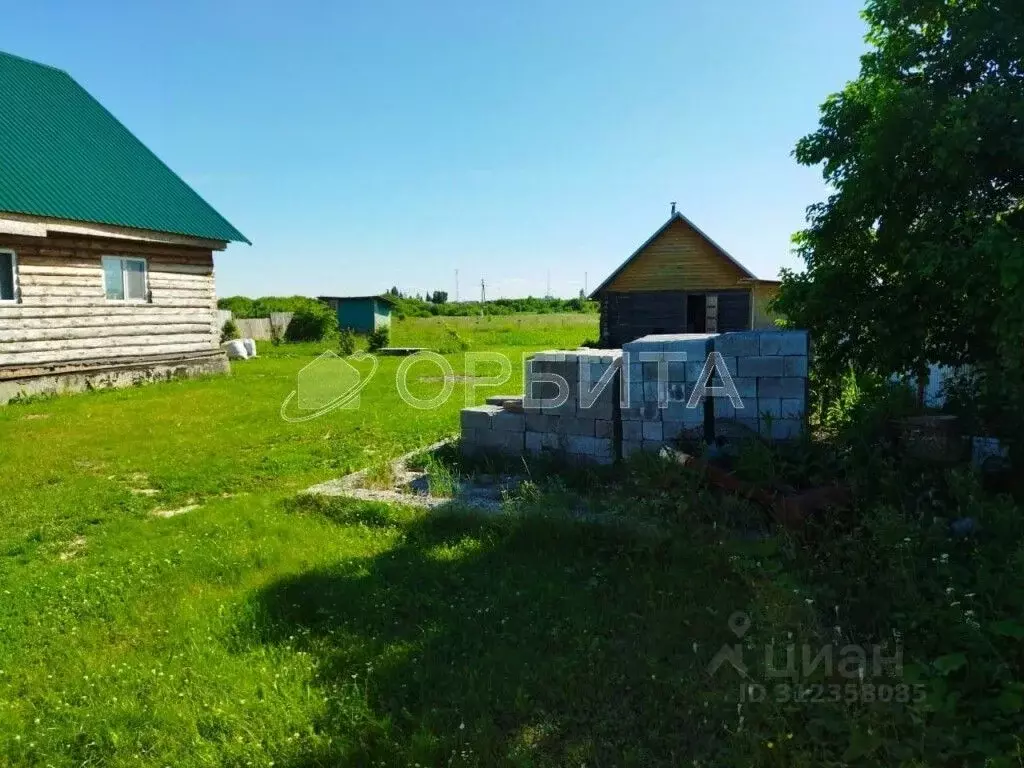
(8, 276)
(124, 279)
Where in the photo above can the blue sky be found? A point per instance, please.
(361, 145)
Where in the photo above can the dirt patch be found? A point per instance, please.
(483, 493)
(456, 378)
(35, 416)
(74, 548)
(175, 512)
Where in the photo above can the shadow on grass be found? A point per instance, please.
(510, 641)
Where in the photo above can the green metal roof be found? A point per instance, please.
(63, 155)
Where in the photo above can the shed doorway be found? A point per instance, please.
(696, 313)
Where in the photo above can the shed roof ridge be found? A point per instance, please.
(676, 216)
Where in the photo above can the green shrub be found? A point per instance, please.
(379, 338)
(453, 341)
(314, 323)
(346, 341)
(229, 330)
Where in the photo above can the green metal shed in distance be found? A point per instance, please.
(361, 314)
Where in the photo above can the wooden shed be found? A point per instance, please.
(106, 256)
(362, 314)
(681, 281)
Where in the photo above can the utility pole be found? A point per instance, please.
(483, 296)
(547, 294)
(585, 291)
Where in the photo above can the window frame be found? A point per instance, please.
(124, 282)
(16, 299)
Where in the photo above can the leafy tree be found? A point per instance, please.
(439, 297)
(917, 256)
(313, 323)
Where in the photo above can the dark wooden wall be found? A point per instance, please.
(628, 316)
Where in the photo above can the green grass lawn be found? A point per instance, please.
(558, 331)
(257, 629)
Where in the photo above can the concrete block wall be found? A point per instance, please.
(493, 429)
(584, 428)
(769, 369)
(654, 376)
(660, 371)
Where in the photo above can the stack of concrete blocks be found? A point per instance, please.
(769, 369)
(493, 428)
(657, 413)
(584, 428)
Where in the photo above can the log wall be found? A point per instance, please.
(63, 316)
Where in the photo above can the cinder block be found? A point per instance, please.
(643, 344)
(636, 371)
(636, 393)
(653, 446)
(650, 412)
(679, 411)
(534, 392)
(759, 366)
(786, 429)
(745, 408)
(730, 364)
(595, 411)
(604, 428)
(538, 442)
(769, 406)
(568, 408)
(478, 417)
(538, 422)
(786, 386)
(652, 430)
(676, 391)
(694, 369)
(795, 365)
(783, 343)
(508, 421)
(489, 439)
(653, 392)
(632, 413)
(575, 426)
(745, 387)
(677, 371)
(650, 371)
(738, 344)
(582, 444)
(512, 443)
(606, 393)
(793, 407)
(723, 408)
(632, 430)
(694, 345)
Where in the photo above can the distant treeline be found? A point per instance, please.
(243, 307)
(413, 306)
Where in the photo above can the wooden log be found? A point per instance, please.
(101, 303)
(98, 342)
(17, 336)
(14, 313)
(60, 356)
